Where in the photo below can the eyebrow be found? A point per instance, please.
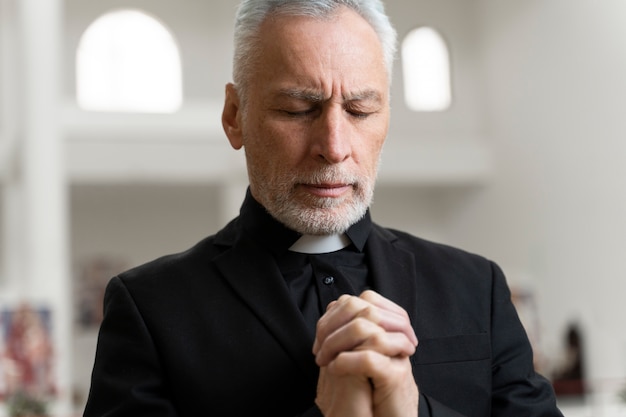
(365, 95)
(316, 97)
(304, 95)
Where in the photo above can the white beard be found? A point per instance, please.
(315, 215)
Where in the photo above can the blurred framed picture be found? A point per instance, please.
(26, 351)
(93, 275)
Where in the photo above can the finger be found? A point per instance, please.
(378, 300)
(370, 306)
(390, 321)
(362, 334)
(386, 304)
(345, 338)
(394, 390)
(385, 373)
(338, 313)
(365, 363)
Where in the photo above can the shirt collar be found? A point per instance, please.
(263, 228)
(315, 244)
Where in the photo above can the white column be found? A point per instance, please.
(11, 283)
(46, 269)
(11, 197)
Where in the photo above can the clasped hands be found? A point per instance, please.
(362, 347)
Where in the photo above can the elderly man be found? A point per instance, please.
(302, 305)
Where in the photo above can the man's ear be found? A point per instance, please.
(231, 117)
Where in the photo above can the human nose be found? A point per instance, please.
(332, 141)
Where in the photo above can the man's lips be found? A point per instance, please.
(327, 190)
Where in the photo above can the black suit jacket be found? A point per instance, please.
(213, 331)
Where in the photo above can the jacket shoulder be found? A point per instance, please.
(428, 251)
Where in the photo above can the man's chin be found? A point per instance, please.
(323, 219)
(325, 204)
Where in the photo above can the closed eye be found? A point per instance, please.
(301, 113)
(360, 110)
(359, 114)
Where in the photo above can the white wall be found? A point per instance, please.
(141, 222)
(555, 96)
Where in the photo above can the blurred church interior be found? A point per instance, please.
(112, 153)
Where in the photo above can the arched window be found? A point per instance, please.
(127, 61)
(426, 67)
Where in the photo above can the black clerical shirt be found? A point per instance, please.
(314, 280)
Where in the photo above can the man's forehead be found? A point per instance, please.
(315, 60)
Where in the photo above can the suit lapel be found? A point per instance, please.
(393, 271)
(254, 275)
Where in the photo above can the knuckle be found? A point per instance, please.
(368, 294)
(361, 326)
(345, 299)
(369, 312)
(378, 339)
(370, 359)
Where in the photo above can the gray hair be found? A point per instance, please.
(252, 13)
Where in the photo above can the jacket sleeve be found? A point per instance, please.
(127, 379)
(517, 388)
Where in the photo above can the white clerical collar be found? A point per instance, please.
(320, 244)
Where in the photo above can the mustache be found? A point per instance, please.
(327, 175)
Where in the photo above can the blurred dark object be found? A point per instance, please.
(569, 379)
